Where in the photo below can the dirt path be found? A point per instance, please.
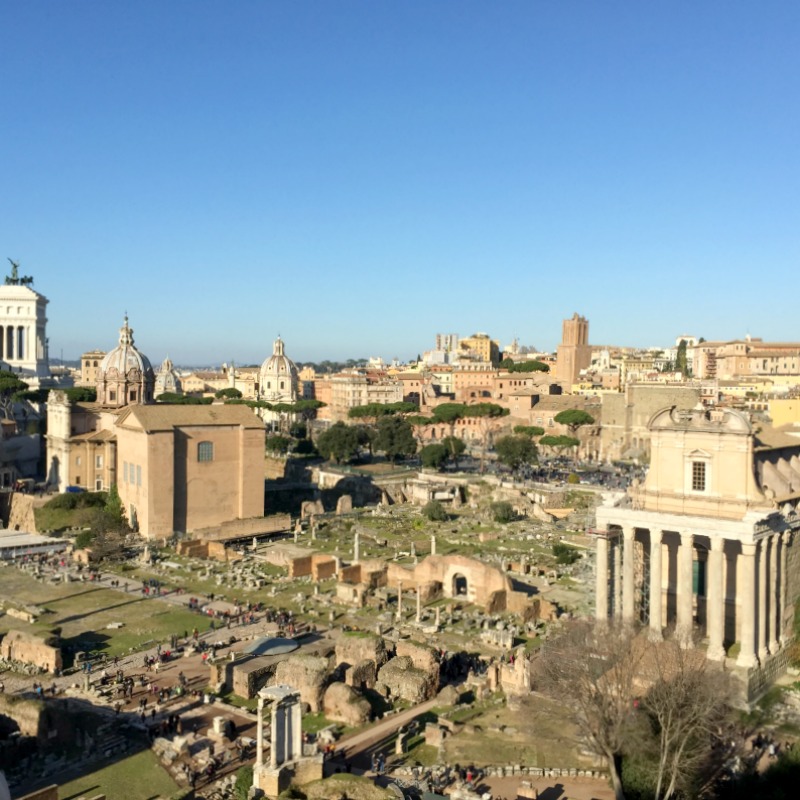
(356, 743)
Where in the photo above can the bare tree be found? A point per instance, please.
(593, 669)
(687, 704)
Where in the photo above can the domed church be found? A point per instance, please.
(278, 377)
(125, 376)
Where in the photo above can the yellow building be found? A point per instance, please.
(479, 347)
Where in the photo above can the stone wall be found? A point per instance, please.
(342, 703)
(49, 793)
(241, 528)
(356, 648)
(30, 649)
(306, 673)
(20, 513)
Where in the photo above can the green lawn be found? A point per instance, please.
(83, 610)
(137, 777)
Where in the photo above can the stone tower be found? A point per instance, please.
(574, 352)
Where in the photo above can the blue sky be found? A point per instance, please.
(360, 175)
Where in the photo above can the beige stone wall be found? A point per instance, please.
(180, 493)
(30, 649)
(20, 514)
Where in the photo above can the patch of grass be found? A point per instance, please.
(314, 723)
(137, 777)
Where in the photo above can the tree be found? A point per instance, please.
(529, 430)
(455, 448)
(435, 511)
(488, 416)
(114, 507)
(10, 385)
(395, 438)
(228, 393)
(81, 394)
(524, 366)
(449, 414)
(574, 418)
(434, 455)
(597, 668)
(502, 512)
(279, 444)
(514, 451)
(559, 442)
(685, 707)
(681, 361)
(339, 442)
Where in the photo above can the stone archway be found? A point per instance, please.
(460, 586)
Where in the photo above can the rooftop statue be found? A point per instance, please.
(13, 279)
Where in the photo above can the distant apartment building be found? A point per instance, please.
(91, 362)
(745, 357)
(348, 390)
(479, 347)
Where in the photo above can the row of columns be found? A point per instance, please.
(14, 341)
(760, 588)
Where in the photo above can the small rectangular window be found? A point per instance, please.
(138, 475)
(698, 476)
(98, 462)
(205, 451)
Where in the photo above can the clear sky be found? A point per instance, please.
(357, 176)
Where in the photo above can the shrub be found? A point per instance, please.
(503, 512)
(435, 511)
(83, 539)
(565, 554)
(572, 478)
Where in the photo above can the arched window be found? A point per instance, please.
(205, 451)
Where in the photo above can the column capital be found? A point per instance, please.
(749, 548)
(628, 532)
(656, 535)
(686, 537)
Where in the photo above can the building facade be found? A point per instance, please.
(23, 324)
(708, 543)
(180, 468)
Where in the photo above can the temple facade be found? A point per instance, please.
(707, 545)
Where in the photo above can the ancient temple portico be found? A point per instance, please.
(705, 549)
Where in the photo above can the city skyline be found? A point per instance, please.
(358, 178)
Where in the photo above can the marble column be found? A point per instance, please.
(747, 607)
(399, 600)
(617, 577)
(763, 599)
(601, 581)
(773, 628)
(419, 602)
(655, 585)
(260, 734)
(356, 548)
(715, 601)
(297, 729)
(685, 596)
(786, 539)
(628, 604)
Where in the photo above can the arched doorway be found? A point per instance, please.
(459, 585)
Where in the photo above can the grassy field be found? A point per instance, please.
(83, 611)
(137, 777)
(538, 734)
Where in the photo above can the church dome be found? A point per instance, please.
(125, 375)
(125, 356)
(278, 376)
(167, 379)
